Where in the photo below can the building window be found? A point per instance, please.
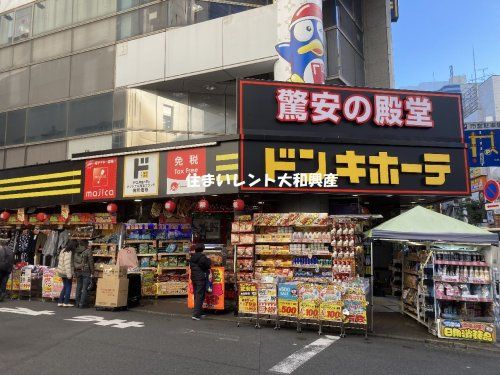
(22, 26)
(89, 115)
(16, 127)
(3, 126)
(47, 122)
(51, 15)
(6, 28)
(84, 10)
(168, 114)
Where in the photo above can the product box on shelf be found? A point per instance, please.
(112, 292)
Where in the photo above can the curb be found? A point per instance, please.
(452, 344)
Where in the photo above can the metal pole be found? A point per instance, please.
(371, 285)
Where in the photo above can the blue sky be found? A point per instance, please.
(431, 35)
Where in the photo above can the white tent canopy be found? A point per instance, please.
(421, 224)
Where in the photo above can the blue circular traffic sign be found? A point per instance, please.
(491, 190)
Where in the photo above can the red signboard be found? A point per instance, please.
(100, 179)
(180, 165)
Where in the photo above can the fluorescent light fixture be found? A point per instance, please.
(413, 202)
(137, 200)
(355, 195)
(168, 148)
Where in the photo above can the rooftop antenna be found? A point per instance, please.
(474, 62)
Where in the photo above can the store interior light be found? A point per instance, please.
(137, 200)
(209, 87)
(413, 202)
(355, 195)
(215, 195)
(389, 195)
(261, 202)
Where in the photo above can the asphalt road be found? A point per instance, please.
(48, 343)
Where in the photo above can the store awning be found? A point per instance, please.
(421, 224)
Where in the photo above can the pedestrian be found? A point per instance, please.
(84, 270)
(200, 266)
(6, 264)
(65, 271)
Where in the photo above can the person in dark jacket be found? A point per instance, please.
(200, 265)
(6, 265)
(83, 264)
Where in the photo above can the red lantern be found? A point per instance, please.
(41, 216)
(239, 204)
(5, 215)
(203, 205)
(112, 208)
(170, 206)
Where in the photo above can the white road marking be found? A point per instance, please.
(219, 336)
(297, 359)
(100, 321)
(26, 311)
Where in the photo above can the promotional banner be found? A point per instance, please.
(267, 299)
(483, 141)
(214, 300)
(301, 42)
(181, 164)
(100, 179)
(288, 303)
(140, 175)
(459, 329)
(331, 305)
(309, 301)
(247, 299)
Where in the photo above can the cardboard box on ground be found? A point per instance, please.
(112, 289)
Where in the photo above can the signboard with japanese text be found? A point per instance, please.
(483, 141)
(267, 299)
(288, 299)
(462, 330)
(180, 165)
(140, 175)
(348, 113)
(100, 179)
(341, 168)
(247, 298)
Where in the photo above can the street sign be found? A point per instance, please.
(492, 206)
(491, 190)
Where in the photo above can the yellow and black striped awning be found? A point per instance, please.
(41, 185)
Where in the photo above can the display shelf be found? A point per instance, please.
(103, 244)
(140, 241)
(479, 282)
(313, 267)
(317, 255)
(171, 268)
(173, 254)
(463, 299)
(147, 255)
(103, 255)
(245, 257)
(460, 263)
(174, 241)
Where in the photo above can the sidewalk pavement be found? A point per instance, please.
(389, 324)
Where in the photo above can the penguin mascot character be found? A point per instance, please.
(305, 51)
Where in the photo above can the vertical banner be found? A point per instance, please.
(140, 175)
(247, 299)
(267, 300)
(301, 42)
(181, 164)
(288, 303)
(100, 179)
